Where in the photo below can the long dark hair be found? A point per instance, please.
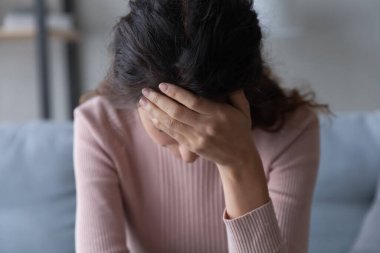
(208, 47)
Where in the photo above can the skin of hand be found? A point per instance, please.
(217, 132)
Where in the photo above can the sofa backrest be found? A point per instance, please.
(37, 184)
(346, 184)
(37, 188)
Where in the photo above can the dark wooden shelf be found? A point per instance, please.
(67, 35)
(42, 35)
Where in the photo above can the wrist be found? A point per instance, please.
(244, 188)
(246, 165)
(249, 176)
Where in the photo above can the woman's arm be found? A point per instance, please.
(282, 223)
(222, 133)
(99, 223)
(237, 182)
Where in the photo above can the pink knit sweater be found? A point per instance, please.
(135, 196)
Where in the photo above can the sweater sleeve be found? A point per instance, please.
(282, 224)
(98, 226)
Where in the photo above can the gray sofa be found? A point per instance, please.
(37, 187)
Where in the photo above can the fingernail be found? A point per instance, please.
(145, 91)
(163, 87)
(143, 101)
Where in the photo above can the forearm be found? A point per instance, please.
(244, 188)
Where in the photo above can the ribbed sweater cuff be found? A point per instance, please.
(255, 231)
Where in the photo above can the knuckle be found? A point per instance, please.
(170, 123)
(151, 112)
(155, 98)
(200, 145)
(222, 116)
(172, 93)
(176, 112)
(211, 129)
(194, 103)
(156, 122)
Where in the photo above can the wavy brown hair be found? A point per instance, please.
(208, 47)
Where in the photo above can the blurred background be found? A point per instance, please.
(47, 59)
(331, 46)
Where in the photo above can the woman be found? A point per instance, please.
(212, 156)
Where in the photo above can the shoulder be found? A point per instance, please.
(300, 121)
(98, 115)
(300, 129)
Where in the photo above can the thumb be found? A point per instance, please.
(240, 102)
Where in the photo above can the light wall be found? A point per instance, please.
(330, 45)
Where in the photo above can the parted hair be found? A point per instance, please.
(208, 47)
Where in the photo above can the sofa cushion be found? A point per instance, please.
(368, 240)
(346, 183)
(37, 188)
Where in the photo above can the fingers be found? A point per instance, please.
(188, 99)
(240, 102)
(163, 121)
(171, 131)
(175, 110)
